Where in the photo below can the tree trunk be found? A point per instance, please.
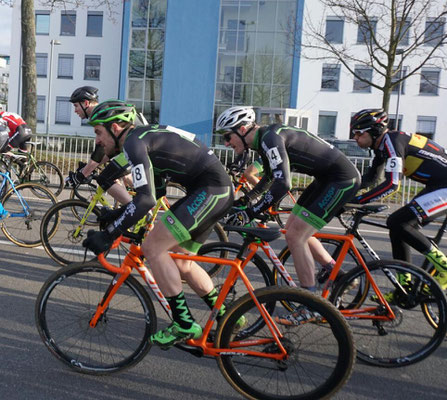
(29, 78)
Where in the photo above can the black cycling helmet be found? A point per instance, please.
(111, 111)
(371, 120)
(89, 93)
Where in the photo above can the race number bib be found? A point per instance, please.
(274, 157)
(139, 176)
(394, 164)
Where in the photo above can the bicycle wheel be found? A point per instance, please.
(47, 174)
(26, 203)
(409, 337)
(320, 357)
(83, 191)
(283, 207)
(62, 231)
(257, 271)
(66, 303)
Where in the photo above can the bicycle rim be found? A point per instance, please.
(47, 174)
(284, 207)
(23, 226)
(408, 337)
(320, 355)
(65, 306)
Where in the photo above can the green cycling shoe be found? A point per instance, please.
(173, 334)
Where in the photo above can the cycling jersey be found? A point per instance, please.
(12, 121)
(401, 153)
(284, 149)
(158, 154)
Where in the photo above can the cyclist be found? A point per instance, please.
(159, 153)
(418, 158)
(19, 132)
(284, 149)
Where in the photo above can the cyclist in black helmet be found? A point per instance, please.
(417, 157)
(157, 153)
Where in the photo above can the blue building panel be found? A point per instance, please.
(189, 69)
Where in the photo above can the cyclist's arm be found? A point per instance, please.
(374, 172)
(251, 174)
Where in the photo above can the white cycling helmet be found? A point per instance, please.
(235, 116)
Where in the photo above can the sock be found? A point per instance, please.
(329, 266)
(180, 310)
(211, 298)
(438, 259)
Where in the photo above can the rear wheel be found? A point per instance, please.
(47, 174)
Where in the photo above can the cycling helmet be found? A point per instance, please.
(111, 111)
(89, 93)
(234, 117)
(371, 120)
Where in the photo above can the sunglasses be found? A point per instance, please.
(227, 136)
(360, 131)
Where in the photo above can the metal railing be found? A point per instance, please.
(66, 151)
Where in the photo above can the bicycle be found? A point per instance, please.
(65, 225)
(26, 204)
(24, 167)
(384, 330)
(96, 318)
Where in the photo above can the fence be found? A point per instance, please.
(66, 151)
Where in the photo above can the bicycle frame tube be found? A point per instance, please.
(22, 200)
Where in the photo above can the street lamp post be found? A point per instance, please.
(399, 52)
(50, 72)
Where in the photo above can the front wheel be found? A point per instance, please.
(320, 352)
(67, 302)
(26, 203)
(409, 336)
(48, 175)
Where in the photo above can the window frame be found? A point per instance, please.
(368, 88)
(42, 13)
(68, 14)
(41, 99)
(327, 67)
(364, 40)
(42, 56)
(440, 22)
(65, 56)
(326, 34)
(94, 14)
(333, 114)
(428, 83)
(92, 57)
(426, 119)
(65, 100)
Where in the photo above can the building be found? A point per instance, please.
(4, 79)
(183, 65)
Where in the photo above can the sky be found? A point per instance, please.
(5, 29)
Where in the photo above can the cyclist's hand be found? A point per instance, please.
(107, 216)
(81, 166)
(244, 201)
(238, 217)
(76, 178)
(98, 242)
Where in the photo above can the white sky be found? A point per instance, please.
(5, 29)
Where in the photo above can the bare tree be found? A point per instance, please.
(395, 33)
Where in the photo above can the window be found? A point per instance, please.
(94, 24)
(65, 66)
(429, 81)
(326, 123)
(41, 64)
(426, 126)
(40, 115)
(403, 32)
(92, 68)
(330, 76)
(235, 36)
(366, 29)
(359, 85)
(63, 110)
(396, 78)
(68, 23)
(392, 122)
(42, 22)
(334, 30)
(434, 31)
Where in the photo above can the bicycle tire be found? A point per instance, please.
(23, 227)
(67, 301)
(4, 169)
(321, 354)
(47, 174)
(58, 228)
(410, 337)
(257, 271)
(284, 207)
(83, 191)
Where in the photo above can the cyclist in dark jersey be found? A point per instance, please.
(156, 154)
(414, 156)
(284, 149)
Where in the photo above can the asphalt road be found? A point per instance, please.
(29, 371)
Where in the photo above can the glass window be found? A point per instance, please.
(94, 24)
(395, 78)
(366, 29)
(41, 65)
(429, 81)
(330, 76)
(92, 68)
(267, 15)
(282, 70)
(263, 69)
(151, 111)
(138, 39)
(139, 13)
(65, 66)
(426, 126)
(136, 64)
(403, 32)
(157, 14)
(392, 122)
(135, 90)
(63, 110)
(364, 73)
(40, 112)
(434, 31)
(155, 39)
(280, 96)
(334, 30)
(68, 23)
(261, 95)
(42, 22)
(154, 64)
(326, 123)
(152, 90)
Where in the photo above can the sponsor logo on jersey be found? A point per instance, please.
(170, 220)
